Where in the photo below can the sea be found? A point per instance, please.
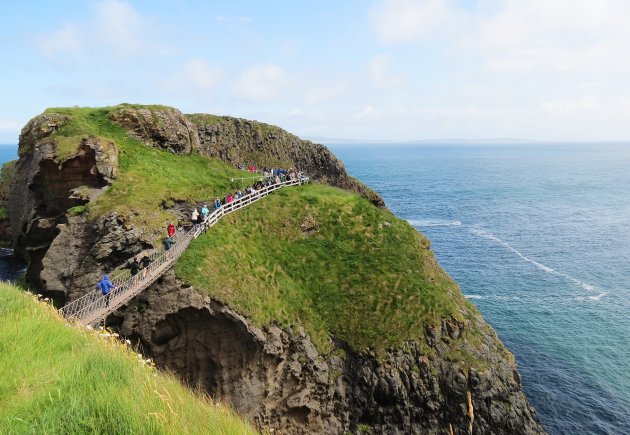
(538, 238)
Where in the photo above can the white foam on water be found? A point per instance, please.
(474, 297)
(487, 235)
(433, 223)
(598, 297)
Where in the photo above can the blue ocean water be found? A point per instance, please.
(538, 237)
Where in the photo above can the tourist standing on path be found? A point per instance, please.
(170, 229)
(134, 267)
(205, 212)
(105, 285)
(217, 203)
(145, 264)
(194, 217)
(168, 242)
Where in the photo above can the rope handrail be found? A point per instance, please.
(94, 305)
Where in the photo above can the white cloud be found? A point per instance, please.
(115, 30)
(62, 41)
(401, 21)
(381, 75)
(10, 125)
(553, 36)
(201, 74)
(323, 93)
(120, 27)
(508, 36)
(571, 106)
(261, 82)
(366, 112)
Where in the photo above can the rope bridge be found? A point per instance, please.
(94, 306)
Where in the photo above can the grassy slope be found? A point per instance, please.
(147, 176)
(58, 379)
(365, 275)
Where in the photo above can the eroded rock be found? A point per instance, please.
(164, 128)
(240, 141)
(279, 380)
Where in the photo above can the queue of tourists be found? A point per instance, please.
(198, 217)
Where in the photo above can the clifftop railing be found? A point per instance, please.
(94, 306)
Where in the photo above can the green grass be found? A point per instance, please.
(364, 276)
(59, 379)
(147, 177)
(67, 146)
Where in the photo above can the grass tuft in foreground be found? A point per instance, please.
(59, 379)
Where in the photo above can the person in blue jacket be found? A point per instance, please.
(105, 285)
(205, 212)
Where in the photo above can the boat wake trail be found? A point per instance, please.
(585, 285)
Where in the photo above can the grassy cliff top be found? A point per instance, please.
(148, 178)
(57, 379)
(326, 259)
(311, 256)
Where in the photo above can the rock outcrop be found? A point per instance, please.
(237, 141)
(240, 141)
(6, 175)
(65, 253)
(279, 380)
(163, 127)
(275, 377)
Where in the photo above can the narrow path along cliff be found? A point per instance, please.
(95, 306)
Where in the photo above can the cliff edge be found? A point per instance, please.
(313, 311)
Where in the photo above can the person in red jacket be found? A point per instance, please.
(170, 229)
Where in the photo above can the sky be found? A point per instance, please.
(397, 70)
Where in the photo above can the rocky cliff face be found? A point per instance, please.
(238, 141)
(275, 377)
(66, 253)
(6, 175)
(278, 379)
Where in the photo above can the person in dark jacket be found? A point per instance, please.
(106, 286)
(134, 267)
(168, 242)
(145, 261)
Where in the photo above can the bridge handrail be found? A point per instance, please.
(82, 307)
